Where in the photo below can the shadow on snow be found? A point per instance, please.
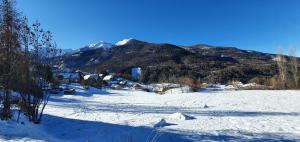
(80, 130)
(199, 111)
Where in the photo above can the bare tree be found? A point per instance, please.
(294, 66)
(10, 52)
(44, 49)
(25, 63)
(281, 63)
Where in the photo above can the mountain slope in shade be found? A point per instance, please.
(69, 51)
(169, 63)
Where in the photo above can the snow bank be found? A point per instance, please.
(185, 89)
(163, 87)
(241, 86)
(180, 116)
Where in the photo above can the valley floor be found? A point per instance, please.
(130, 116)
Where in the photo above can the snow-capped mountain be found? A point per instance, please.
(101, 44)
(123, 42)
(104, 45)
(211, 63)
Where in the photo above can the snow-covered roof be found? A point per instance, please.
(90, 76)
(108, 77)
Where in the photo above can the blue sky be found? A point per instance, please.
(263, 25)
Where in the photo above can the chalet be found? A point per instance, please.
(68, 77)
(92, 80)
(91, 77)
(108, 78)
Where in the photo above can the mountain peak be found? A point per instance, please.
(101, 44)
(124, 41)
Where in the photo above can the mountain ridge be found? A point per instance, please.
(164, 62)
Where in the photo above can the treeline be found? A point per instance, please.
(283, 73)
(25, 64)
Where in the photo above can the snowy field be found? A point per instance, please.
(133, 116)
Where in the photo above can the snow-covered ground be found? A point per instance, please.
(136, 116)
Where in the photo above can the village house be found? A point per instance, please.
(68, 77)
